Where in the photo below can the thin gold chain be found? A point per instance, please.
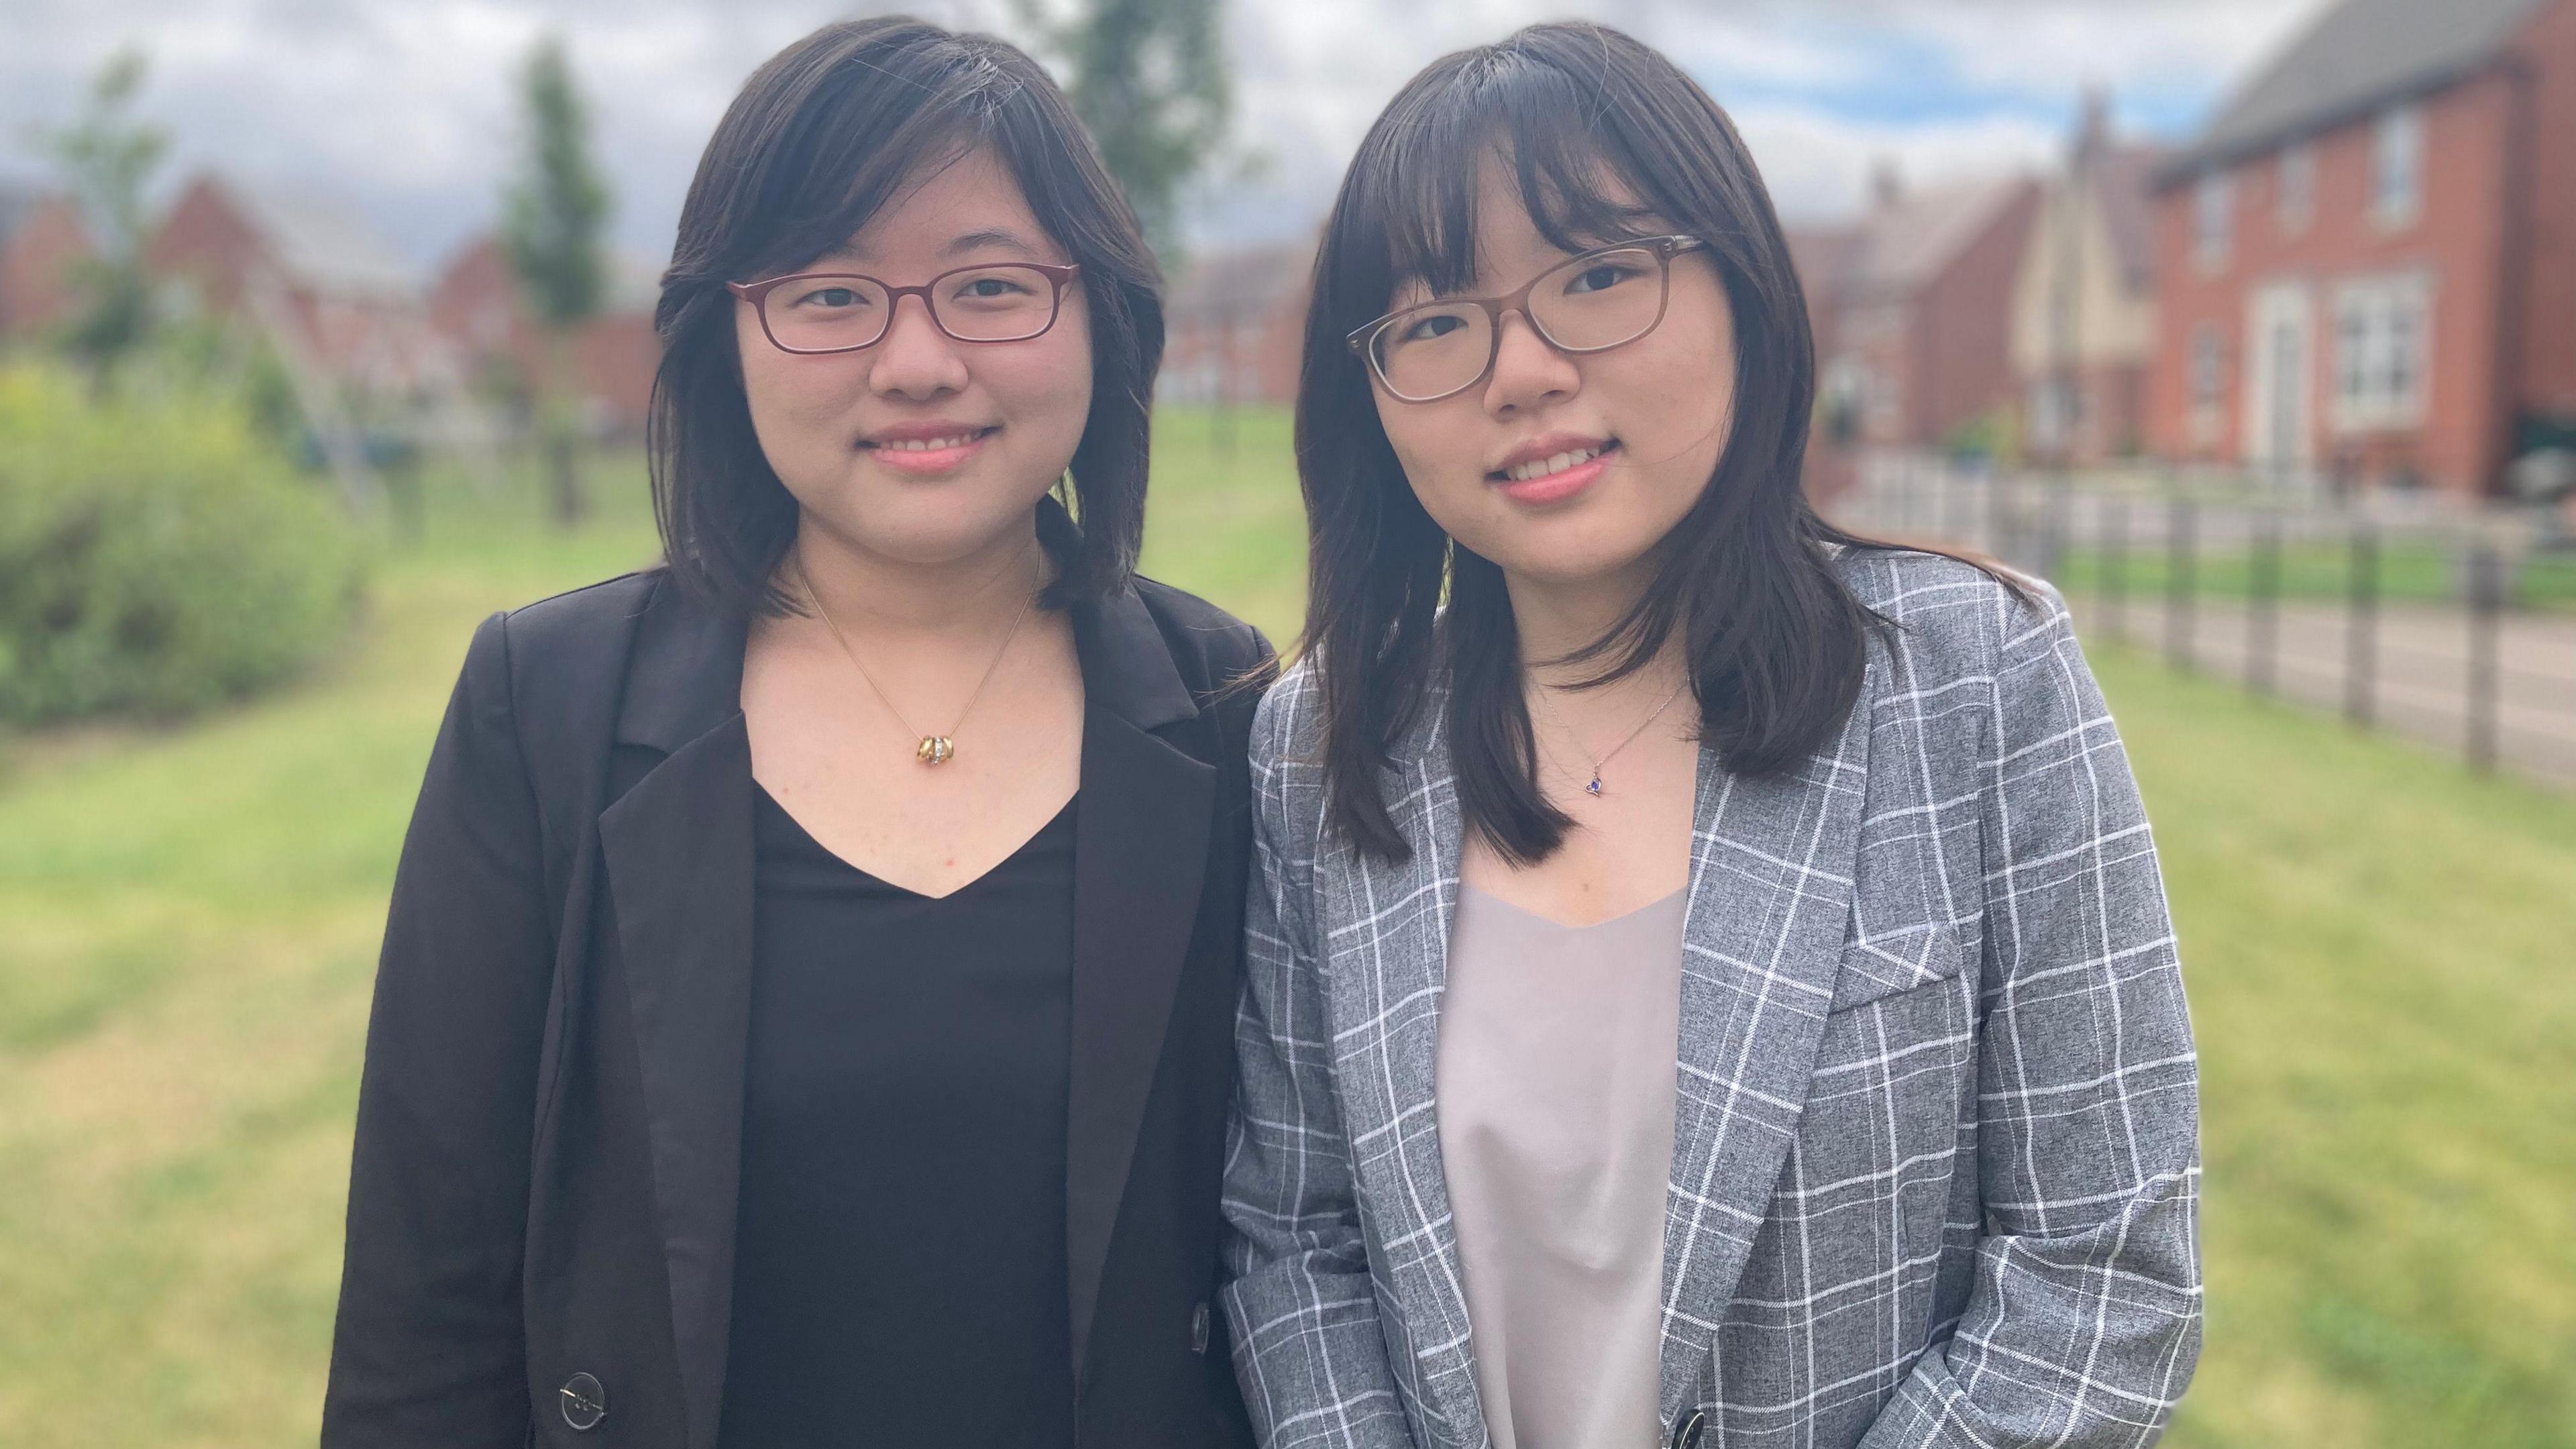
(805, 581)
(1594, 788)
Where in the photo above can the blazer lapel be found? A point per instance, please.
(1770, 899)
(1763, 931)
(679, 856)
(1140, 854)
(1406, 912)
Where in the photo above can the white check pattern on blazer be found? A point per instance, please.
(1936, 1168)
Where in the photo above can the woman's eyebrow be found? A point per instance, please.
(992, 236)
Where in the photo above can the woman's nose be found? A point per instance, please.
(914, 358)
(1528, 370)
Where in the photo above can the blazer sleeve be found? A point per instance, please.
(1308, 1349)
(2083, 1319)
(429, 1349)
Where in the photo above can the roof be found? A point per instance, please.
(19, 205)
(1823, 257)
(1252, 279)
(313, 241)
(2125, 183)
(1905, 245)
(631, 282)
(2359, 55)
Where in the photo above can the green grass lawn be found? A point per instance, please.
(2409, 571)
(2378, 946)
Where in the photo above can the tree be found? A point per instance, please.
(552, 221)
(1150, 81)
(107, 159)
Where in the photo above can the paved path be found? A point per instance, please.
(2419, 656)
(2420, 674)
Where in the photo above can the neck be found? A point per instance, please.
(1556, 617)
(974, 593)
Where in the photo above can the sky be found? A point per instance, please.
(402, 111)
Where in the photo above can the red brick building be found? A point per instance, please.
(476, 305)
(2367, 264)
(42, 241)
(1912, 308)
(1235, 326)
(335, 298)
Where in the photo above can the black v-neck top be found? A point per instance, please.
(899, 1250)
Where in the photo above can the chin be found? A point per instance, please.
(1562, 555)
(939, 521)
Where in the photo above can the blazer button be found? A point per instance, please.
(584, 1403)
(1688, 1430)
(1199, 1329)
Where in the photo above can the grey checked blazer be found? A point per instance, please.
(1935, 1168)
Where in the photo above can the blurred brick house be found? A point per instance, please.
(42, 242)
(1235, 326)
(2084, 301)
(476, 304)
(1912, 307)
(1833, 451)
(2368, 262)
(339, 303)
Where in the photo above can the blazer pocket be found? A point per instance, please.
(1887, 964)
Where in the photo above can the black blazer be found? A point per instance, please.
(541, 1201)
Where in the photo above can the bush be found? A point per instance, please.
(158, 554)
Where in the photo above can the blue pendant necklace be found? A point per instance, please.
(1593, 786)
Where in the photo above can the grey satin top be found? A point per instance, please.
(1555, 1082)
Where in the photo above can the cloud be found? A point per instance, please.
(405, 109)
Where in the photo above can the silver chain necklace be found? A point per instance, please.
(1593, 789)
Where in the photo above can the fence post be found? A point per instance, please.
(2056, 513)
(2362, 625)
(2486, 607)
(2263, 604)
(2180, 562)
(2111, 557)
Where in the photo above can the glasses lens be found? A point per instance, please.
(825, 314)
(1432, 351)
(995, 304)
(1600, 300)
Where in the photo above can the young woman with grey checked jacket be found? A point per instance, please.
(1710, 980)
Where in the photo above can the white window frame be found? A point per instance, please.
(2297, 181)
(2397, 167)
(2213, 218)
(2383, 352)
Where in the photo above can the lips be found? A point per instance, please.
(1554, 463)
(1553, 468)
(914, 440)
(926, 449)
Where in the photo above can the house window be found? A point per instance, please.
(2298, 187)
(2213, 208)
(2382, 326)
(2397, 167)
(2207, 380)
(2208, 367)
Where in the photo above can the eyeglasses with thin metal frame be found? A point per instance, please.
(1368, 341)
(1056, 276)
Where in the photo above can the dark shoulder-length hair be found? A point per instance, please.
(1776, 643)
(820, 138)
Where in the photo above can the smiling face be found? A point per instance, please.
(1564, 469)
(923, 449)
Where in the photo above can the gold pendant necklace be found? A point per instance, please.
(934, 749)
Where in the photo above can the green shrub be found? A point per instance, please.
(157, 552)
